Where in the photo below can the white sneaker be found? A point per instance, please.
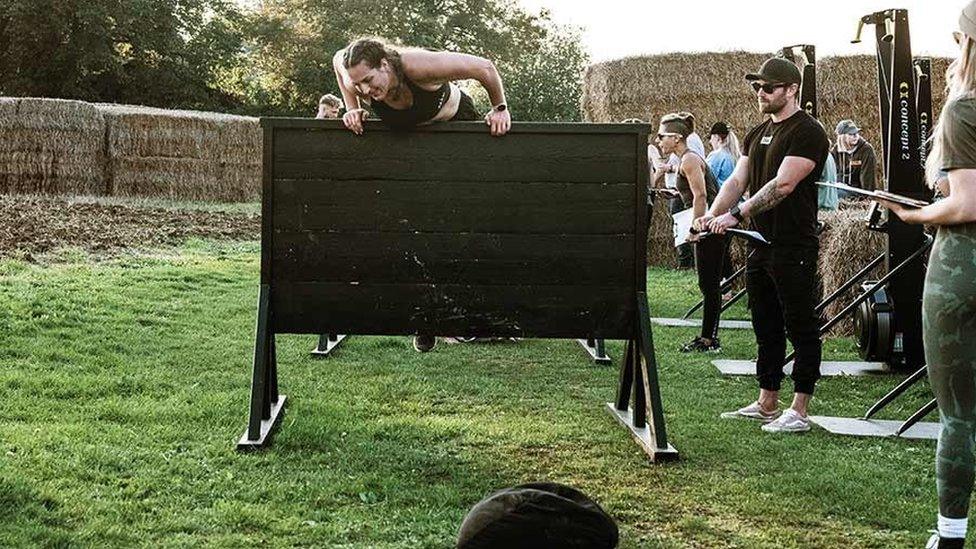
(789, 422)
(933, 541)
(752, 411)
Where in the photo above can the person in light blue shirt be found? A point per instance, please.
(725, 151)
(827, 197)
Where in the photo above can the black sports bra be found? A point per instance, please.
(426, 105)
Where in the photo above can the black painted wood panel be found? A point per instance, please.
(454, 310)
(455, 206)
(474, 156)
(504, 259)
(449, 231)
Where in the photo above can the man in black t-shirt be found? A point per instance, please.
(781, 162)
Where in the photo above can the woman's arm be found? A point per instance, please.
(692, 167)
(429, 67)
(437, 67)
(958, 208)
(355, 114)
(349, 97)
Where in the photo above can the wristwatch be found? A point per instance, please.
(737, 213)
(500, 107)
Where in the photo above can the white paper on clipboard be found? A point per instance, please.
(682, 226)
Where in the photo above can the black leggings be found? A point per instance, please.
(710, 254)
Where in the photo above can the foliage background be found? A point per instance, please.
(272, 58)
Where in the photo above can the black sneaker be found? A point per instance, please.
(424, 343)
(698, 345)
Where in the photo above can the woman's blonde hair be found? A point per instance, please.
(730, 143)
(960, 84)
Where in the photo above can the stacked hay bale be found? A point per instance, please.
(51, 146)
(240, 158)
(846, 247)
(660, 237)
(182, 154)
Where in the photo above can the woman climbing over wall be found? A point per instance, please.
(408, 87)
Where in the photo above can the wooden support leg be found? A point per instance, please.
(640, 369)
(266, 404)
(327, 343)
(596, 348)
(626, 379)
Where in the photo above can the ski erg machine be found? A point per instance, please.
(804, 56)
(889, 322)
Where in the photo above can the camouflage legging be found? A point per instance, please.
(949, 325)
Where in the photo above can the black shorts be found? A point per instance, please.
(466, 110)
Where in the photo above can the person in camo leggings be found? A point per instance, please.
(949, 297)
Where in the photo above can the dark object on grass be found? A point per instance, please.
(537, 516)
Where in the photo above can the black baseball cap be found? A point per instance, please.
(777, 70)
(719, 128)
(537, 515)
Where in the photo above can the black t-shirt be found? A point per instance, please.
(792, 222)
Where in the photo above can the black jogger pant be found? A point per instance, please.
(709, 257)
(782, 286)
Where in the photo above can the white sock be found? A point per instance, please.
(952, 528)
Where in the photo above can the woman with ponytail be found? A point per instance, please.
(698, 188)
(725, 151)
(949, 298)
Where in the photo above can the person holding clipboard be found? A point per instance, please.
(698, 187)
(782, 159)
(949, 295)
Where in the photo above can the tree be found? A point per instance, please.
(156, 52)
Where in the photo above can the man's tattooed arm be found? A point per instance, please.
(765, 199)
(791, 171)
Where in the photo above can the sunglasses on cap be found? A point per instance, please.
(668, 134)
(767, 87)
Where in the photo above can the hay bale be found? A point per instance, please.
(846, 247)
(241, 143)
(51, 146)
(135, 131)
(182, 154)
(660, 237)
(160, 176)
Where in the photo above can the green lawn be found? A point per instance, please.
(124, 386)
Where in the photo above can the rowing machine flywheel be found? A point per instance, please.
(874, 325)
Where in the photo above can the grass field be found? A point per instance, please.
(124, 386)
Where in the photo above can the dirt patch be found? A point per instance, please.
(31, 225)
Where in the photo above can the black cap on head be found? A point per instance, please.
(777, 70)
(719, 128)
(530, 516)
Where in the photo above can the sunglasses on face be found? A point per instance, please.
(957, 36)
(767, 87)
